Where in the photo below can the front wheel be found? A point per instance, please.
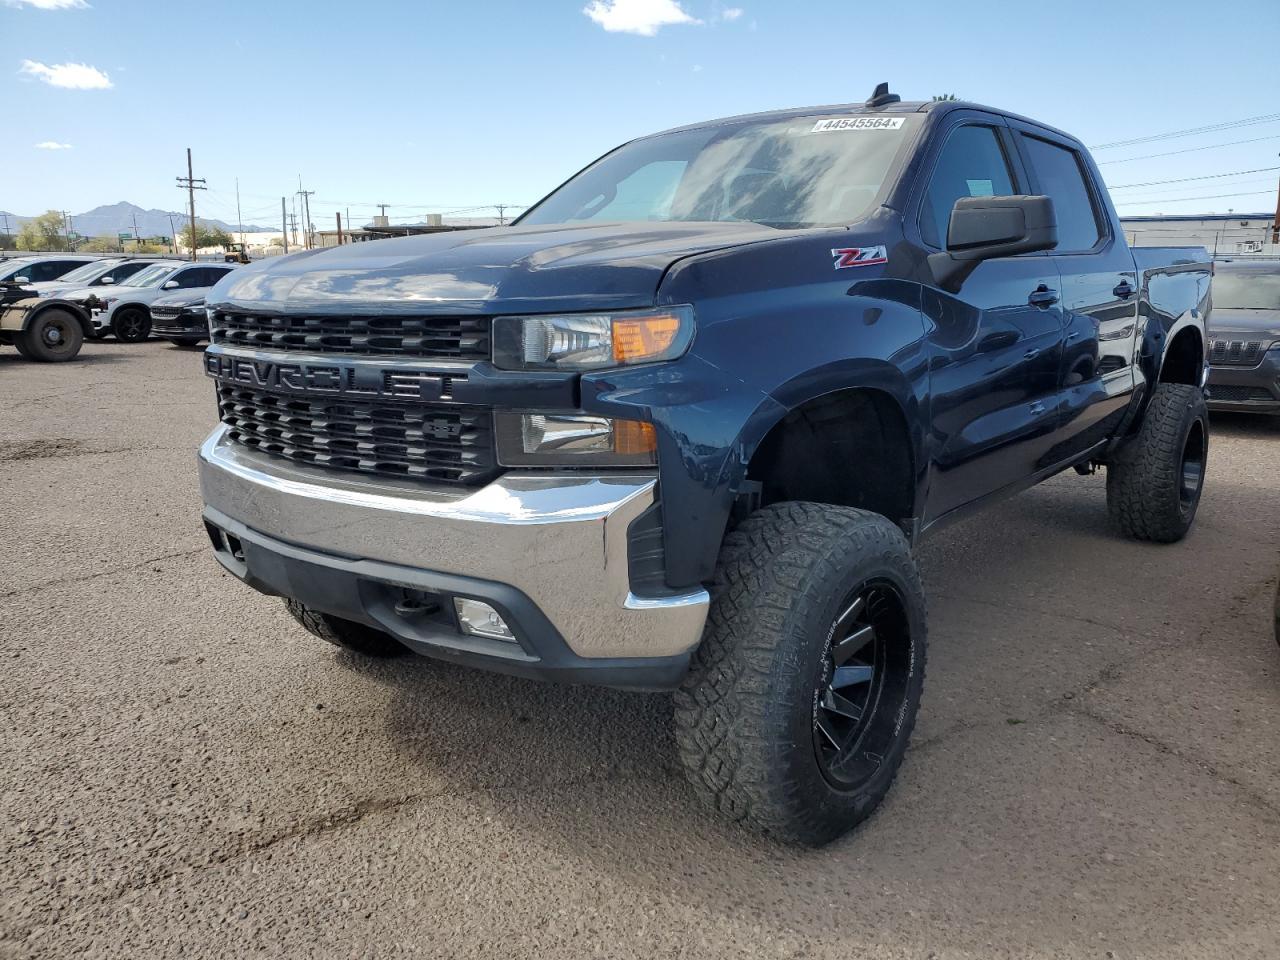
(1155, 481)
(345, 633)
(798, 707)
(131, 325)
(53, 336)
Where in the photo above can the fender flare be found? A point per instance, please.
(840, 376)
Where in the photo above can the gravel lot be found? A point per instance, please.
(1096, 772)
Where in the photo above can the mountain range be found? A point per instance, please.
(119, 217)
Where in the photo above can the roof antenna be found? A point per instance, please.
(882, 97)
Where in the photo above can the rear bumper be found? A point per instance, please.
(1248, 389)
(548, 552)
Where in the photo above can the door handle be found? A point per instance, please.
(1031, 355)
(1042, 296)
(1124, 290)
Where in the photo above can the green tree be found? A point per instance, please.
(43, 233)
(103, 244)
(206, 236)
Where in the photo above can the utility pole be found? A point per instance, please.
(383, 207)
(190, 181)
(339, 216)
(284, 226)
(306, 196)
(240, 219)
(1275, 226)
(173, 236)
(66, 226)
(293, 224)
(502, 219)
(135, 233)
(348, 220)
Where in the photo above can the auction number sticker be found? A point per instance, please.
(858, 123)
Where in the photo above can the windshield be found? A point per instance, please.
(152, 276)
(1246, 289)
(802, 172)
(89, 271)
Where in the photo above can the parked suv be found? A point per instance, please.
(125, 309)
(36, 269)
(1244, 337)
(679, 427)
(180, 317)
(99, 273)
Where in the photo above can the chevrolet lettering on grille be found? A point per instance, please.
(332, 379)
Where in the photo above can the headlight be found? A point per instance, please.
(555, 440)
(196, 311)
(590, 341)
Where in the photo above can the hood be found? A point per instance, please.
(68, 291)
(533, 269)
(1252, 324)
(182, 298)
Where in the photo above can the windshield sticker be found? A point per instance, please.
(858, 123)
(859, 256)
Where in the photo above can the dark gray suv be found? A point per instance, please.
(1244, 337)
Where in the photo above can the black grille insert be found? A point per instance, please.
(1241, 353)
(446, 444)
(1233, 394)
(460, 338)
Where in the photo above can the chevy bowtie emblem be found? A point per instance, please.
(859, 256)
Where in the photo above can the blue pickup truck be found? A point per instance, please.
(679, 427)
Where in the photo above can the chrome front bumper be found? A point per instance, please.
(561, 540)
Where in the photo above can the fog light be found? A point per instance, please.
(481, 620)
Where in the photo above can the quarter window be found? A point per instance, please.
(972, 164)
(1057, 170)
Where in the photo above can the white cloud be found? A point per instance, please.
(697, 68)
(643, 17)
(52, 145)
(731, 13)
(72, 76)
(48, 4)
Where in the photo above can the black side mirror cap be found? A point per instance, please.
(985, 228)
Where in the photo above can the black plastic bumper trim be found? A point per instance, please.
(366, 591)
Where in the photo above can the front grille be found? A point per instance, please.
(1238, 353)
(452, 338)
(165, 313)
(1238, 394)
(445, 444)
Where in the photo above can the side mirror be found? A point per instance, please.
(169, 285)
(21, 279)
(985, 228)
(107, 279)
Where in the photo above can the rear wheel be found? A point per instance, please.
(1154, 483)
(798, 707)
(53, 336)
(345, 633)
(131, 325)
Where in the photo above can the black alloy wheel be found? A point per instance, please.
(131, 325)
(862, 686)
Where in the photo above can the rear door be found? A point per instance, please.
(996, 346)
(1100, 293)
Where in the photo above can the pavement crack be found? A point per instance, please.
(45, 584)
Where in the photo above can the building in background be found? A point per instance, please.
(1222, 234)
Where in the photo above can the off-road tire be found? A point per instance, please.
(746, 713)
(134, 333)
(345, 633)
(1147, 494)
(33, 342)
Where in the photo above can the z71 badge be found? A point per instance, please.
(859, 256)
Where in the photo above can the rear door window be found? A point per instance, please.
(972, 164)
(1058, 175)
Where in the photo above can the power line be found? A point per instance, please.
(190, 181)
(1212, 196)
(1192, 131)
(1171, 153)
(1238, 183)
(1207, 176)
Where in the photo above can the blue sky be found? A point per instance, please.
(438, 106)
